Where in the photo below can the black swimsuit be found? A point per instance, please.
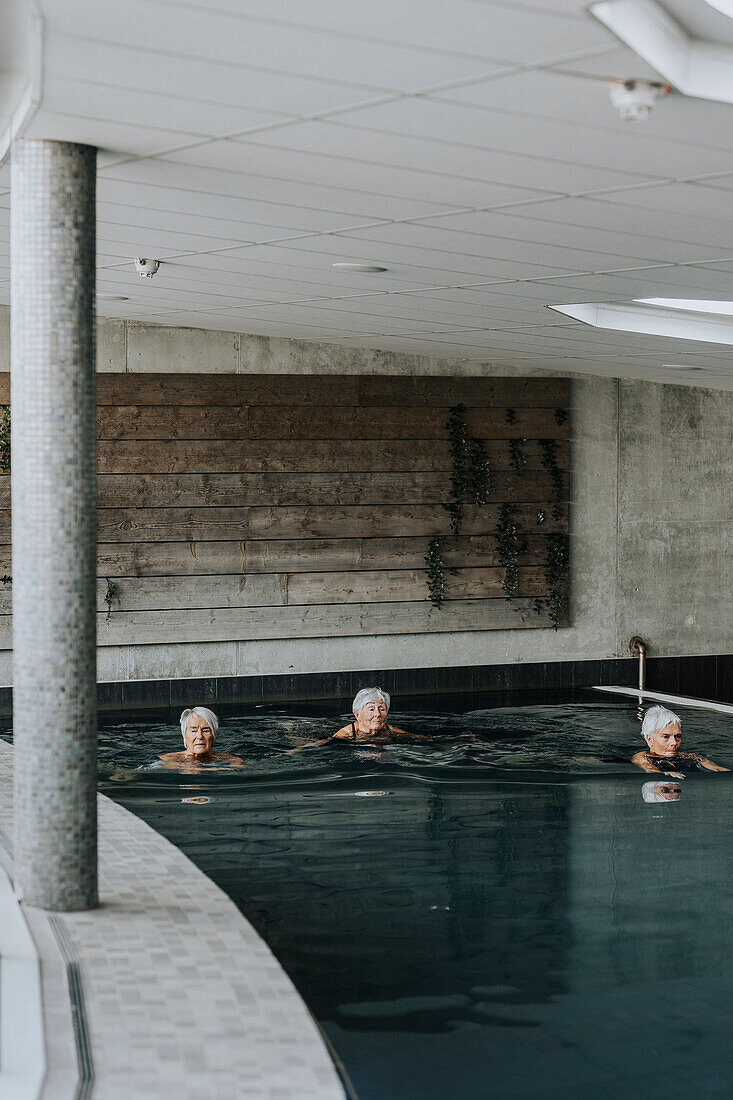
(352, 739)
(676, 763)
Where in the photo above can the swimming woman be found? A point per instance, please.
(199, 727)
(661, 729)
(370, 726)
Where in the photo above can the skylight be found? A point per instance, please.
(679, 319)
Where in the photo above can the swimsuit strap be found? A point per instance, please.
(353, 731)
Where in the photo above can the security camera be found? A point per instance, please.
(146, 268)
(634, 99)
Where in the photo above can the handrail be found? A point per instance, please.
(637, 648)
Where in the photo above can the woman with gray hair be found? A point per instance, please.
(661, 729)
(199, 727)
(370, 708)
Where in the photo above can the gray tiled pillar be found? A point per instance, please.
(53, 472)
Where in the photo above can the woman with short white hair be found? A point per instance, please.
(199, 727)
(370, 709)
(662, 731)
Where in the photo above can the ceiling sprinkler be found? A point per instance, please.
(634, 99)
(146, 268)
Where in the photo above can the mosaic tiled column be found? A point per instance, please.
(53, 471)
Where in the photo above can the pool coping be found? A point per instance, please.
(166, 990)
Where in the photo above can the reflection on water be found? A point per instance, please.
(493, 912)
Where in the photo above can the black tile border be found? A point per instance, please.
(706, 677)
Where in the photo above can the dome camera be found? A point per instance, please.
(146, 268)
(635, 99)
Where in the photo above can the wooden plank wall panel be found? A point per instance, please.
(271, 506)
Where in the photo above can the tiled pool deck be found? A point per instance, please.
(165, 990)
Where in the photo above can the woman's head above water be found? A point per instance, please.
(370, 707)
(199, 727)
(661, 729)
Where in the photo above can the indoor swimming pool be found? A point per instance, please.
(494, 911)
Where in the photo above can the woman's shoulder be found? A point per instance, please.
(639, 756)
(345, 731)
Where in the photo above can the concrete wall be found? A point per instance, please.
(651, 531)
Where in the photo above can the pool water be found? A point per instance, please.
(494, 911)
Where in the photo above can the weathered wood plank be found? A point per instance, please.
(245, 490)
(329, 620)
(388, 521)
(182, 422)
(171, 593)
(398, 585)
(205, 456)
(176, 593)
(295, 422)
(129, 559)
(254, 556)
(173, 422)
(280, 389)
(235, 524)
(284, 456)
(316, 456)
(476, 390)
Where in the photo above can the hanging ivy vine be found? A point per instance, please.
(517, 455)
(436, 572)
(556, 572)
(549, 461)
(5, 439)
(510, 545)
(456, 426)
(470, 470)
(479, 472)
(470, 480)
(109, 594)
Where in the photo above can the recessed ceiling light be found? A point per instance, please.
(365, 269)
(112, 298)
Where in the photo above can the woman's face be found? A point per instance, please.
(199, 736)
(372, 716)
(666, 742)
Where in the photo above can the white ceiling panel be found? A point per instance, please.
(280, 219)
(176, 114)
(433, 235)
(205, 81)
(207, 178)
(209, 34)
(480, 161)
(465, 27)
(522, 227)
(602, 213)
(596, 146)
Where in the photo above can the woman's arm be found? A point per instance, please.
(708, 764)
(641, 759)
